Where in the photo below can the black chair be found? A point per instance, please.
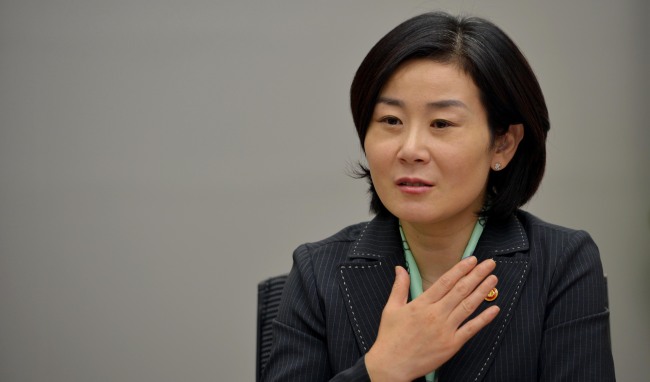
(269, 293)
(606, 293)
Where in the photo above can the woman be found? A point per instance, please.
(453, 124)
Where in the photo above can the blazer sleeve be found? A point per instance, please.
(576, 342)
(300, 351)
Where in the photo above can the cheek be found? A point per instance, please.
(380, 170)
(377, 165)
(375, 154)
(467, 166)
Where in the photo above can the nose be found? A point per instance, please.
(413, 147)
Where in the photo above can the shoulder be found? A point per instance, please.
(559, 247)
(535, 224)
(537, 228)
(330, 249)
(542, 232)
(345, 235)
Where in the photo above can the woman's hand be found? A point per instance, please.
(417, 337)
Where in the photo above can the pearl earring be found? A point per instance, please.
(497, 166)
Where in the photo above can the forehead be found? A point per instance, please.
(428, 78)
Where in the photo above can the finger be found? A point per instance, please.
(467, 284)
(473, 326)
(400, 293)
(469, 304)
(447, 281)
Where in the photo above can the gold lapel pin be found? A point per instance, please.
(492, 295)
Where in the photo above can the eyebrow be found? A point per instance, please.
(442, 104)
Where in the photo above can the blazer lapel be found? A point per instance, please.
(507, 244)
(368, 274)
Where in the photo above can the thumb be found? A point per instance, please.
(400, 293)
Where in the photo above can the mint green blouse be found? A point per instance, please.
(416, 279)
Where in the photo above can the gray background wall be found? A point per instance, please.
(159, 158)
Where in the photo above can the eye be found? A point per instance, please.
(440, 124)
(390, 120)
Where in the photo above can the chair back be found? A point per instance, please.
(269, 293)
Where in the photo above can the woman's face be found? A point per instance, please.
(428, 145)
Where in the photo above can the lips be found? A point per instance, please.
(413, 182)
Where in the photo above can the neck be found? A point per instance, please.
(436, 251)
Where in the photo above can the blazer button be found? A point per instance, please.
(492, 295)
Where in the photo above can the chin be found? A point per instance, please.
(416, 215)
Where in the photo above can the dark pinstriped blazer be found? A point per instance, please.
(553, 324)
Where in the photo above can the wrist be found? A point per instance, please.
(380, 370)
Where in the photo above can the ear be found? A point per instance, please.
(505, 146)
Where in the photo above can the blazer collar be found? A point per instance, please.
(502, 238)
(380, 239)
(367, 276)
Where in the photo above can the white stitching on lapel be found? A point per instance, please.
(356, 243)
(354, 316)
(506, 320)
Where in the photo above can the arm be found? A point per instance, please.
(576, 343)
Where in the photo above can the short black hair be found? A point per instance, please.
(509, 92)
